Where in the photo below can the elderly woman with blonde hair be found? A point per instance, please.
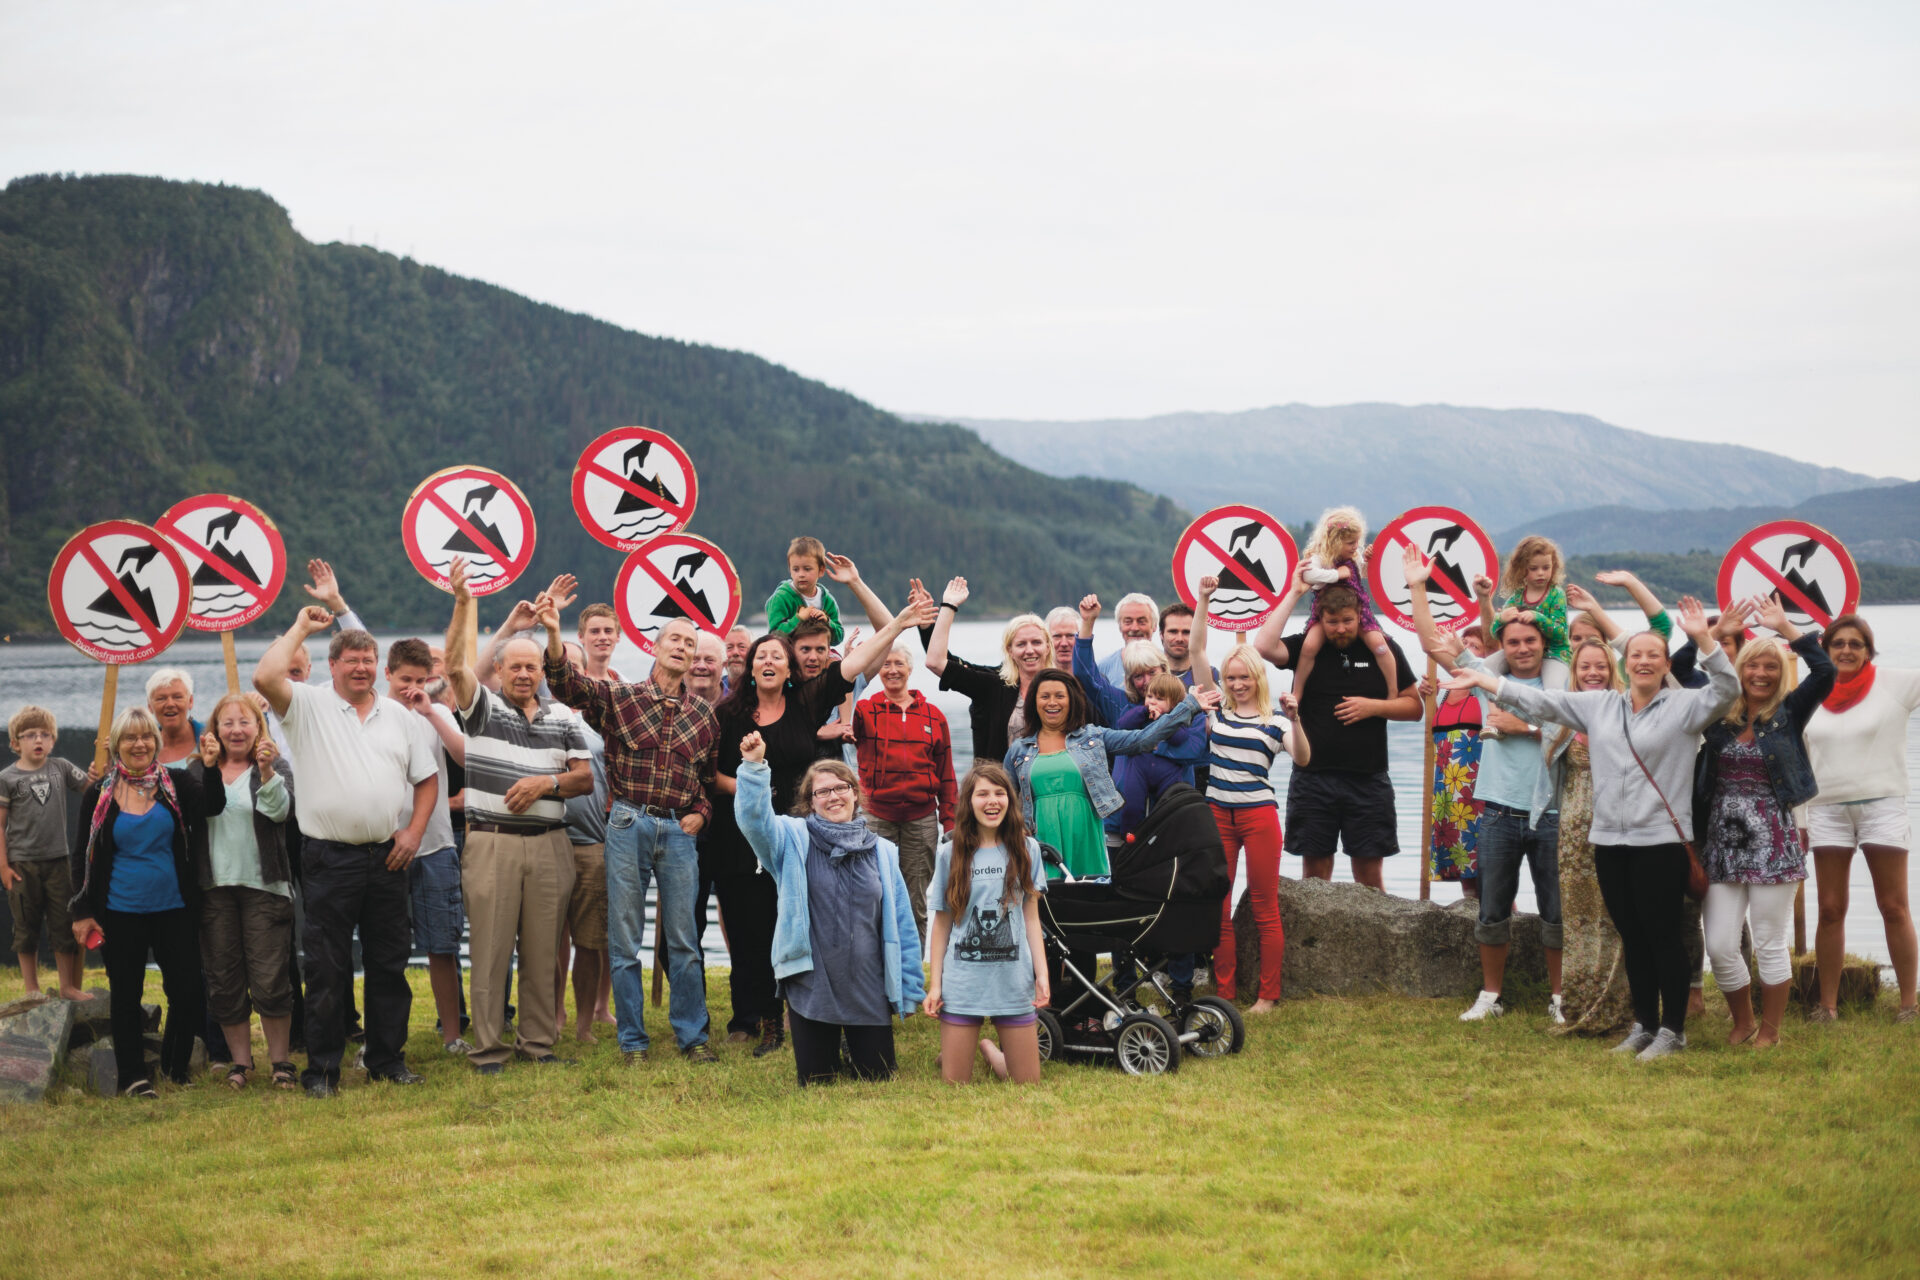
(246, 887)
(998, 693)
(138, 891)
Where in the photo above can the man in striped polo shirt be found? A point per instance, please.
(525, 757)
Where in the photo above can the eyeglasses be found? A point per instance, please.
(1846, 642)
(833, 792)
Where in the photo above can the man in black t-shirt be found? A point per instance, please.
(1343, 796)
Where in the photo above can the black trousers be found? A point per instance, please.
(1645, 889)
(816, 1050)
(175, 943)
(348, 886)
(751, 903)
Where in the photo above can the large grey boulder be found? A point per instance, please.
(91, 1019)
(33, 1048)
(1346, 939)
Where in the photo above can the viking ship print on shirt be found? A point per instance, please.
(988, 939)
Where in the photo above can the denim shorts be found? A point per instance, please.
(1026, 1019)
(433, 882)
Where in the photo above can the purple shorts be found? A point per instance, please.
(1026, 1019)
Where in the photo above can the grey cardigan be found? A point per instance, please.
(1666, 732)
(269, 837)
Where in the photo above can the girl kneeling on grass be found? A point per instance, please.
(996, 966)
(845, 950)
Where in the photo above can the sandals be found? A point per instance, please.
(237, 1074)
(139, 1089)
(286, 1076)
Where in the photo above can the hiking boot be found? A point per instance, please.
(1637, 1039)
(702, 1052)
(1667, 1042)
(772, 1038)
(1485, 1005)
(632, 1057)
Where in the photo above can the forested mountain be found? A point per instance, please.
(1296, 460)
(160, 339)
(1878, 524)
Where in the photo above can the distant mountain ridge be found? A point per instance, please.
(1878, 525)
(1295, 460)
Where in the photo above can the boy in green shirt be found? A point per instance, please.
(803, 596)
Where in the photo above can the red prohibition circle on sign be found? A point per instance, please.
(474, 512)
(118, 592)
(1453, 542)
(1784, 557)
(676, 576)
(1254, 561)
(633, 484)
(234, 555)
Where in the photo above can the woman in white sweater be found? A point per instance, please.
(1857, 744)
(1642, 744)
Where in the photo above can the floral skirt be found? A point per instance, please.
(1456, 814)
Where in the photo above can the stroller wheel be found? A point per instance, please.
(1216, 1026)
(1144, 1044)
(1047, 1027)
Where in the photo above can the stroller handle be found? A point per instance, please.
(1051, 857)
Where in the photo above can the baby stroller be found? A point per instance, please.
(1163, 899)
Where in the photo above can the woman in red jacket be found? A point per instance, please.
(906, 773)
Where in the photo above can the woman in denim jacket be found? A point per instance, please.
(1750, 774)
(845, 948)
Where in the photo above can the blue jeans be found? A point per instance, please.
(643, 849)
(1505, 842)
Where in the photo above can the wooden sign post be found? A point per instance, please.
(1460, 551)
(118, 592)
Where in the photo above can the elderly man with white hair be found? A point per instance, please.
(1137, 616)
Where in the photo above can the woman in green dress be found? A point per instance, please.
(1593, 976)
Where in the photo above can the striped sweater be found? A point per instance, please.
(1240, 759)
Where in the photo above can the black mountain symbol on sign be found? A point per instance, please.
(1440, 551)
(109, 603)
(1797, 556)
(1238, 544)
(472, 507)
(682, 577)
(219, 529)
(634, 462)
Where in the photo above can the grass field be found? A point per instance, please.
(1352, 1137)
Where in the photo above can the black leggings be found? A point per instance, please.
(1645, 888)
(751, 905)
(175, 944)
(816, 1050)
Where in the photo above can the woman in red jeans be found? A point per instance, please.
(1244, 737)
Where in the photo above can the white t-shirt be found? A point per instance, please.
(1861, 753)
(439, 833)
(354, 775)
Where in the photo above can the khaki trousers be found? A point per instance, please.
(516, 890)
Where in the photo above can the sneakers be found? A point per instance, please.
(702, 1052)
(1667, 1042)
(1486, 1005)
(458, 1048)
(399, 1075)
(632, 1057)
(1557, 1010)
(1637, 1039)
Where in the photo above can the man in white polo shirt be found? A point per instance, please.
(361, 763)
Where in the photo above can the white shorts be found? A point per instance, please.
(1847, 826)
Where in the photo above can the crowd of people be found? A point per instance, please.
(529, 802)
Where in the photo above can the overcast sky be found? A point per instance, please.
(1698, 220)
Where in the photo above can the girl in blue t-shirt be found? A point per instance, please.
(987, 874)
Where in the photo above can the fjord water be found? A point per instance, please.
(68, 683)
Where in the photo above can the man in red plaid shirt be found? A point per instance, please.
(661, 743)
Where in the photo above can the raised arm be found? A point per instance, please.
(1578, 597)
(1536, 705)
(1711, 702)
(873, 650)
(1630, 583)
(753, 804)
(1418, 573)
(842, 570)
(1132, 742)
(1269, 641)
(1110, 702)
(460, 635)
(593, 699)
(950, 601)
(270, 676)
(1198, 663)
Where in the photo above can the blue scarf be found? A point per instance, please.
(838, 839)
